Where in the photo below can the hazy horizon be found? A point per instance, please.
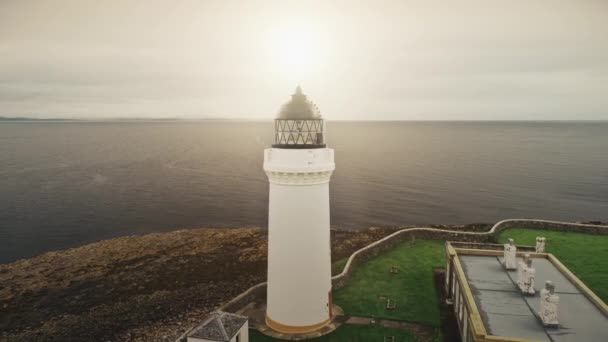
(270, 119)
(358, 60)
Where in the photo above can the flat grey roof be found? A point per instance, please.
(506, 312)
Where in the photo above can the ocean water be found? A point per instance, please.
(63, 184)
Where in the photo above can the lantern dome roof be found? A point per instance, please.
(299, 108)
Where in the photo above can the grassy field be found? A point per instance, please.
(412, 287)
(584, 254)
(350, 333)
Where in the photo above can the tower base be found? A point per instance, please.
(271, 328)
(289, 329)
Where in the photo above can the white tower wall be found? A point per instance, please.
(299, 254)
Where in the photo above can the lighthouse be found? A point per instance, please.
(299, 166)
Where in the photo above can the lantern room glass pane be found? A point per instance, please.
(299, 133)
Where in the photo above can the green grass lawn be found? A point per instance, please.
(585, 255)
(349, 333)
(412, 287)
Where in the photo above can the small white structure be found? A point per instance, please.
(540, 244)
(549, 305)
(299, 167)
(510, 254)
(520, 267)
(527, 272)
(221, 327)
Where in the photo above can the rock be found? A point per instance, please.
(135, 288)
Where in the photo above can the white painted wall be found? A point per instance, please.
(244, 333)
(299, 254)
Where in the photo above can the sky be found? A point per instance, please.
(358, 60)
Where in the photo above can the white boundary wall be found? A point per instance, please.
(251, 293)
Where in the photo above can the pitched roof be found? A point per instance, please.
(219, 326)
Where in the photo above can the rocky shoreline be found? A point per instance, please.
(146, 288)
(139, 288)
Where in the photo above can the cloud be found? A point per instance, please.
(398, 60)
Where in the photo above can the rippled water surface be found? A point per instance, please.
(63, 184)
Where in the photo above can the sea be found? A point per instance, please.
(65, 184)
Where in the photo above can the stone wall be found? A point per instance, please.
(372, 250)
(466, 238)
(549, 225)
(258, 292)
(490, 246)
(255, 293)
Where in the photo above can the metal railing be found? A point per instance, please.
(295, 133)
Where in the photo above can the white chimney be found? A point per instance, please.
(510, 254)
(540, 244)
(527, 274)
(549, 305)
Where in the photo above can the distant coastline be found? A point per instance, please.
(19, 119)
(243, 119)
(28, 119)
(4, 119)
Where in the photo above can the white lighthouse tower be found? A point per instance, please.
(299, 166)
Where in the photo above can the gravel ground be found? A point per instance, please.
(138, 288)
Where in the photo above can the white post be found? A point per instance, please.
(520, 268)
(510, 254)
(540, 244)
(528, 274)
(549, 305)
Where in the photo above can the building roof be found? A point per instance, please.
(506, 312)
(219, 326)
(299, 108)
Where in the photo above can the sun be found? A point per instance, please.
(297, 50)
